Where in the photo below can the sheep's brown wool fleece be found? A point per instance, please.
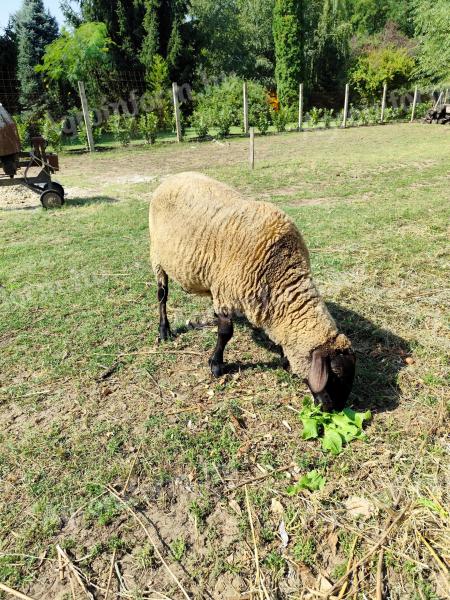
(248, 256)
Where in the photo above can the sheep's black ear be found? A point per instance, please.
(318, 373)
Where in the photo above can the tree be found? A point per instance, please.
(78, 55)
(432, 28)
(255, 18)
(289, 45)
(330, 48)
(388, 65)
(124, 25)
(36, 28)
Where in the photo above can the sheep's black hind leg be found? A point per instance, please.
(224, 335)
(163, 292)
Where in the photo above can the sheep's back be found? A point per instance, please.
(210, 239)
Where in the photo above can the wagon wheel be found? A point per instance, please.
(56, 187)
(52, 199)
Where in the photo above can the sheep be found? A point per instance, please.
(250, 258)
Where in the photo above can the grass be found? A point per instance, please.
(77, 300)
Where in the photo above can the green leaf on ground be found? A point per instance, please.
(312, 481)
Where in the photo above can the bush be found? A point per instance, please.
(281, 118)
(200, 125)
(222, 106)
(315, 115)
(263, 124)
(122, 128)
(52, 133)
(327, 116)
(148, 127)
(389, 65)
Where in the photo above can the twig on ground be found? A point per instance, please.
(131, 469)
(120, 578)
(110, 574)
(150, 538)
(255, 546)
(60, 568)
(379, 589)
(442, 566)
(73, 570)
(259, 478)
(349, 564)
(368, 554)
(15, 593)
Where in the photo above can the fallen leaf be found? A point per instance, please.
(235, 506)
(283, 534)
(323, 583)
(286, 424)
(276, 507)
(359, 507)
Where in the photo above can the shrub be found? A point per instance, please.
(222, 106)
(122, 128)
(327, 117)
(263, 124)
(315, 114)
(148, 127)
(389, 65)
(200, 124)
(281, 118)
(52, 133)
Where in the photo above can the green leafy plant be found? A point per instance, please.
(122, 128)
(334, 429)
(199, 122)
(52, 132)
(148, 127)
(315, 115)
(312, 481)
(280, 119)
(327, 117)
(178, 548)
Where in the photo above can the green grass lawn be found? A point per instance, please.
(88, 399)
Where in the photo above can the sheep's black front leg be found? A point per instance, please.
(163, 292)
(224, 335)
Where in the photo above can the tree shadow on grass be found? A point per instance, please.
(90, 200)
(380, 355)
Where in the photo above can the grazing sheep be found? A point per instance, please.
(250, 258)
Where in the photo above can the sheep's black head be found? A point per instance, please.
(331, 378)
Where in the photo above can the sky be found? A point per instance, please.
(9, 7)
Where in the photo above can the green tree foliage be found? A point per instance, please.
(8, 49)
(255, 19)
(36, 28)
(390, 65)
(329, 49)
(77, 55)
(432, 28)
(370, 16)
(289, 45)
(124, 25)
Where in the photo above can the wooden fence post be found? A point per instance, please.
(347, 94)
(86, 116)
(251, 156)
(300, 107)
(438, 100)
(245, 94)
(176, 108)
(383, 102)
(414, 103)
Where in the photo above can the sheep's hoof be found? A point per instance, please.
(217, 368)
(165, 334)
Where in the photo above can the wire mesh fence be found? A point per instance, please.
(123, 111)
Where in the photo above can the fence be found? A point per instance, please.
(89, 124)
